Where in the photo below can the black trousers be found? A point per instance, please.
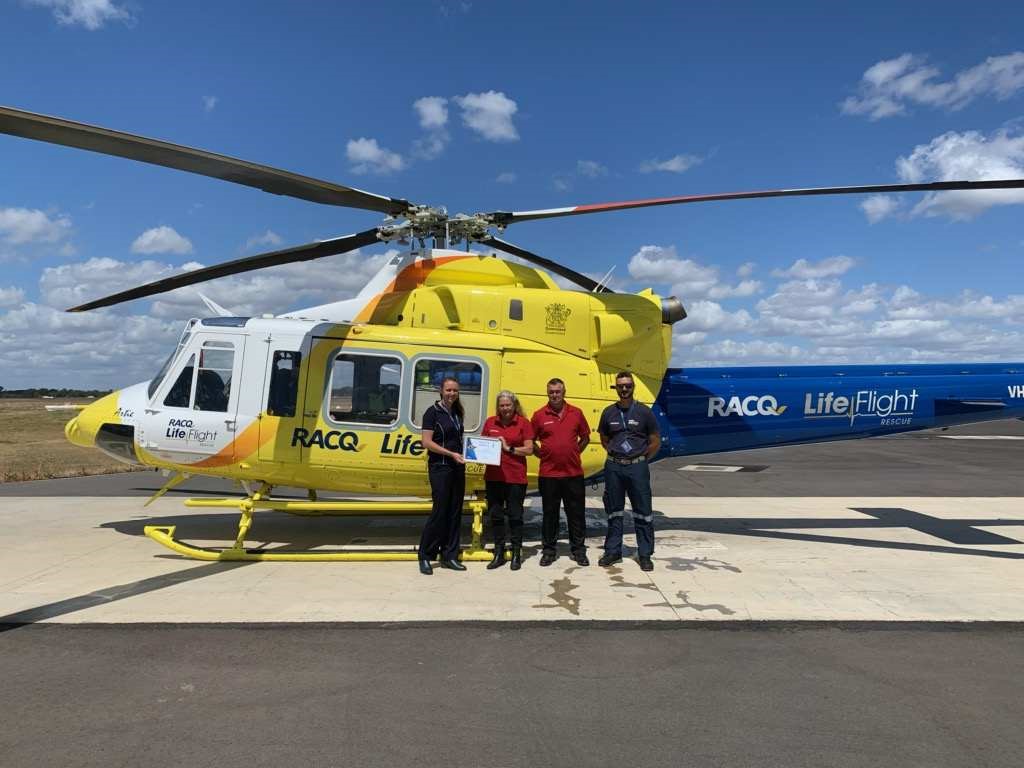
(570, 492)
(441, 533)
(506, 498)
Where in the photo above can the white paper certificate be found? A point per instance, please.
(483, 450)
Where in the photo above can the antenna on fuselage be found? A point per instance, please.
(604, 280)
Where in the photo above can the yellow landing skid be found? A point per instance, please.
(164, 534)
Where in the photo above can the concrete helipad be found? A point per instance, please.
(75, 560)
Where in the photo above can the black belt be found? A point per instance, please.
(634, 460)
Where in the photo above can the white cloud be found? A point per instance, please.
(663, 265)
(268, 239)
(965, 156)
(746, 269)
(689, 279)
(433, 116)
(752, 352)
(209, 103)
(890, 86)
(806, 270)
(489, 114)
(506, 177)
(24, 225)
(73, 284)
(878, 207)
(740, 290)
(43, 346)
(162, 239)
(432, 111)
(11, 297)
(675, 164)
(590, 168)
(710, 316)
(431, 145)
(91, 14)
(367, 156)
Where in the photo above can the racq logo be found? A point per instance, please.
(753, 405)
(892, 408)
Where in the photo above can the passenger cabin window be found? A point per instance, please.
(428, 377)
(364, 389)
(284, 383)
(180, 394)
(213, 380)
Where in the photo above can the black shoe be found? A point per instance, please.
(547, 559)
(581, 559)
(645, 563)
(452, 565)
(425, 568)
(499, 557)
(607, 560)
(517, 558)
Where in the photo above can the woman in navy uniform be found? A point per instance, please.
(443, 427)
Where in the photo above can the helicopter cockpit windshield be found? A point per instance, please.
(182, 342)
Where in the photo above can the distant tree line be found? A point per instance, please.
(54, 393)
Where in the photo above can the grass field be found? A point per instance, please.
(33, 446)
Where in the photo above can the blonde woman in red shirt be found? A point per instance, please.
(506, 483)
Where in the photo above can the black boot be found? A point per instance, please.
(517, 557)
(499, 557)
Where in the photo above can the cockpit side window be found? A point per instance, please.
(180, 394)
(157, 380)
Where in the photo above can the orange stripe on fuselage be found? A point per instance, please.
(413, 276)
(243, 446)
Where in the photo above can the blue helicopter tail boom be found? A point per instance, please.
(707, 410)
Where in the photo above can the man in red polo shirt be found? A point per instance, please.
(561, 433)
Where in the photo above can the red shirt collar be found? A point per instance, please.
(558, 414)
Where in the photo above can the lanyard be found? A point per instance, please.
(622, 418)
(451, 415)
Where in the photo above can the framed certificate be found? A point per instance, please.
(483, 450)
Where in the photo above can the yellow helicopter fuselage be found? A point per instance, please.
(303, 402)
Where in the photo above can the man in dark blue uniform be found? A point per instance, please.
(629, 432)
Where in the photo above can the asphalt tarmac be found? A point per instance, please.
(238, 697)
(712, 693)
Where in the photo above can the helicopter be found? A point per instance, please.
(330, 398)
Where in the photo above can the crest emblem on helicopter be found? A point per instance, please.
(556, 316)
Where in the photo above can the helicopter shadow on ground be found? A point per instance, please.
(275, 531)
(960, 531)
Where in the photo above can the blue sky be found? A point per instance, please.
(484, 106)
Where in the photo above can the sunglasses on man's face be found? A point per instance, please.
(623, 386)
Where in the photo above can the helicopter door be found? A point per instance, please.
(351, 413)
(281, 407)
(193, 417)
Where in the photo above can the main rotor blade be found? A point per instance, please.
(552, 266)
(275, 258)
(504, 218)
(278, 182)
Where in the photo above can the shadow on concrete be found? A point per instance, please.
(112, 594)
(288, 532)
